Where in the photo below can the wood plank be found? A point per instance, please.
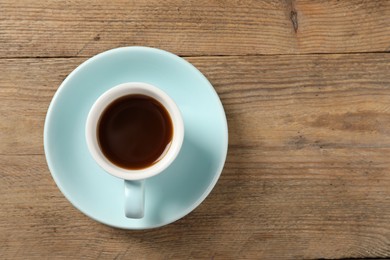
(32, 28)
(321, 101)
(307, 174)
(254, 212)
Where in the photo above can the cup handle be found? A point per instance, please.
(134, 198)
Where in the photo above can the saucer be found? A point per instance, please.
(170, 195)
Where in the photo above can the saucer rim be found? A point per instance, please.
(49, 115)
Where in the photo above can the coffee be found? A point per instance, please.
(134, 131)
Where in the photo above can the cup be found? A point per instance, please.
(134, 180)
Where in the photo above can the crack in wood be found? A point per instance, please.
(294, 20)
(211, 55)
(293, 14)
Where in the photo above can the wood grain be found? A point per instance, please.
(307, 174)
(193, 28)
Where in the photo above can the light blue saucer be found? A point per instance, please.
(172, 194)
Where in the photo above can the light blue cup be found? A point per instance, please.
(134, 179)
(174, 192)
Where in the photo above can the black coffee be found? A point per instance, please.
(134, 131)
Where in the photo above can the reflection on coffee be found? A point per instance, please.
(134, 131)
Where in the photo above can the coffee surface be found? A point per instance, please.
(134, 131)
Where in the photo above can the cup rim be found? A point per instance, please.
(107, 98)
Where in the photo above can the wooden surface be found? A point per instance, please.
(193, 28)
(306, 89)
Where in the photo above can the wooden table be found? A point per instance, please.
(306, 89)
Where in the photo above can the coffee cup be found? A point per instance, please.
(134, 131)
